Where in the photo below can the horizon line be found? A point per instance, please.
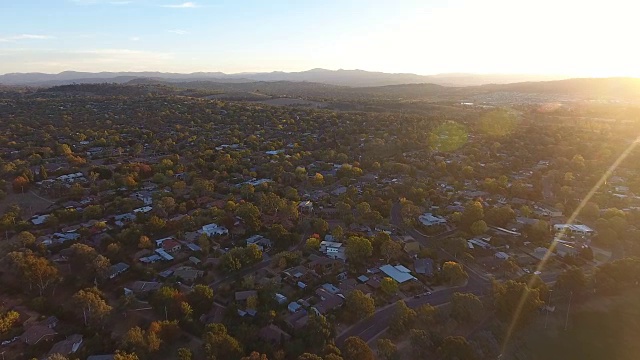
(325, 69)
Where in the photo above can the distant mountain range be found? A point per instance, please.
(353, 78)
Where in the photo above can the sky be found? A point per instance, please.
(555, 37)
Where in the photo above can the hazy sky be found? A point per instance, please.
(578, 38)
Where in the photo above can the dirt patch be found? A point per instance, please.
(30, 203)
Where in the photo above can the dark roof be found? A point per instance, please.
(34, 334)
(65, 347)
(244, 295)
(424, 266)
(273, 334)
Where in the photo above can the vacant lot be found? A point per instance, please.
(30, 203)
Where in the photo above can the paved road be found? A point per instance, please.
(367, 329)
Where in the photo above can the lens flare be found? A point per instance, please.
(498, 123)
(561, 233)
(447, 137)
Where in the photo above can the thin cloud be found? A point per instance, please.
(134, 38)
(32, 36)
(179, 32)
(98, 2)
(185, 5)
(25, 37)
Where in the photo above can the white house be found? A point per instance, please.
(583, 230)
(428, 219)
(213, 229)
(334, 250)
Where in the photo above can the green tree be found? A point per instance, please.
(185, 354)
(453, 273)
(318, 333)
(43, 173)
(479, 227)
(356, 349)
(33, 270)
(319, 226)
(156, 224)
(456, 348)
(513, 298)
(255, 356)
(473, 212)
(312, 243)
(389, 286)
(391, 250)
(500, 216)
(572, 280)
(250, 215)
(119, 355)
(201, 298)
(539, 232)
(402, 319)
(145, 243)
(26, 239)
(426, 316)
(358, 250)
(309, 356)
(218, 344)
(337, 232)
(591, 211)
(421, 342)
(465, 307)
(91, 306)
(387, 350)
(455, 246)
(7, 321)
(359, 305)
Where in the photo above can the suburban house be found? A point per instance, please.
(297, 320)
(423, 266)
(398, 273)
(565, 249)
(328, 301)
(260, 241)
(572, 229)
(169, 245)
(36, 333)
(67, 346)
(188, 274)
(117, 269)
(333, 250)
(545, 211)
(273, 335)
(142, 287)
(164, 255)
(428, 220)
(323, 265)
(213, 230)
